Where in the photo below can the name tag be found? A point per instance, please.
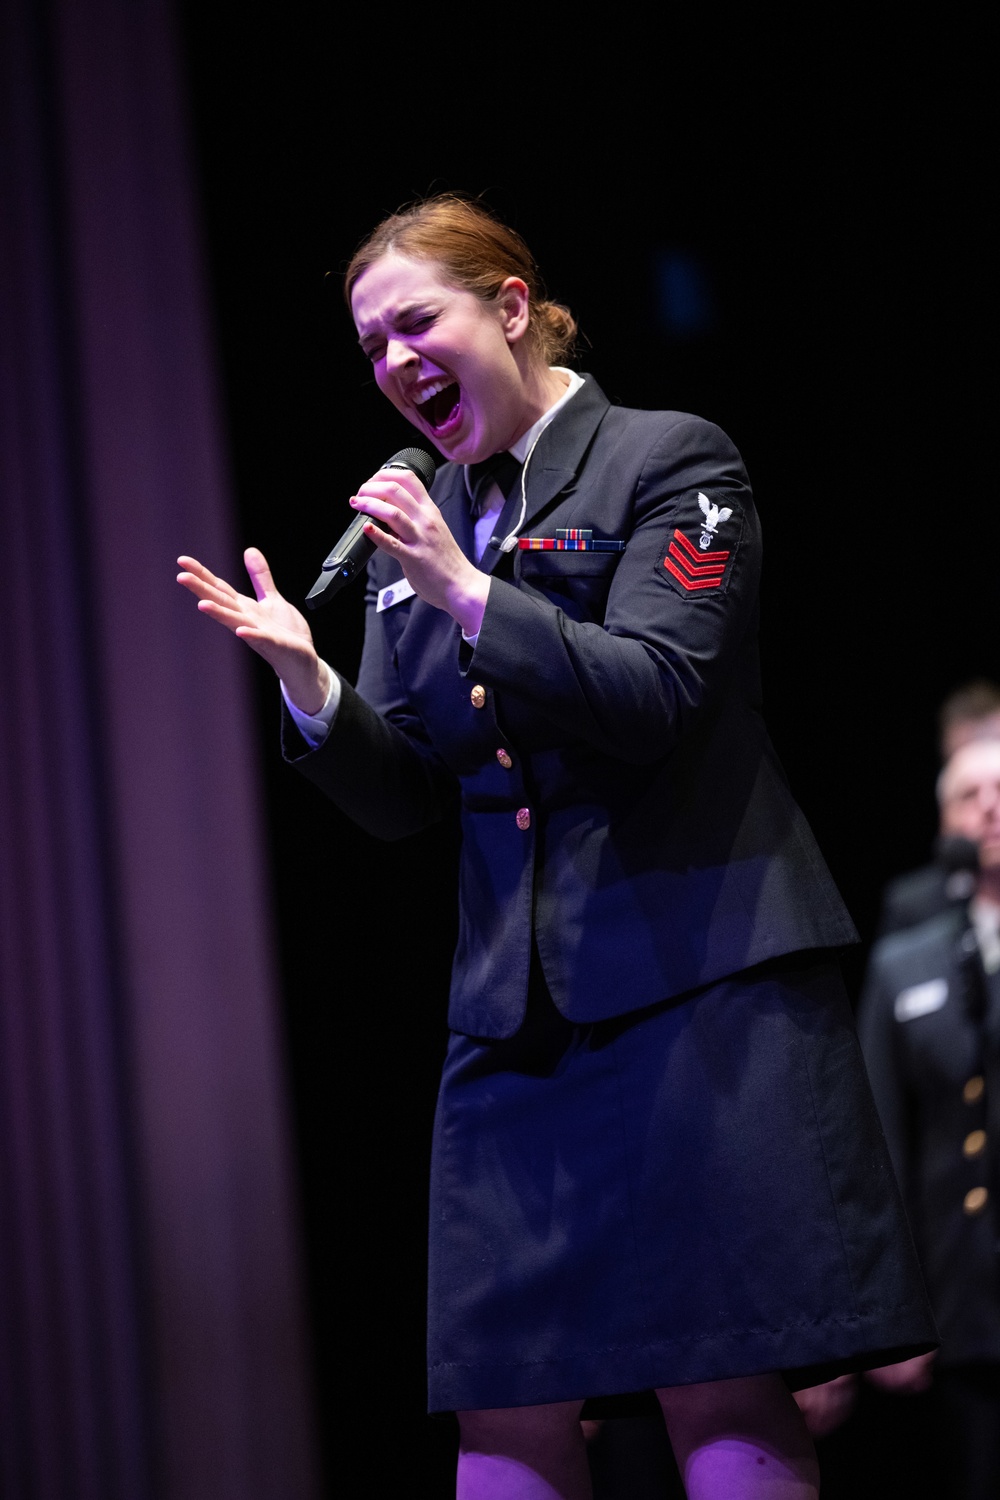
(394, 593)
(920, 999)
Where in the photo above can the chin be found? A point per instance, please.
(465, 451)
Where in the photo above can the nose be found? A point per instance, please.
(398, 356)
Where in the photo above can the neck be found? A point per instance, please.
(988, 887)
(542, 387)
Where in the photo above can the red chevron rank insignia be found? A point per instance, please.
(693, 569)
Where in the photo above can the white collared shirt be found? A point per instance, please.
(493, 501)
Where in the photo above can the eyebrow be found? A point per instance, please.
(395, 316)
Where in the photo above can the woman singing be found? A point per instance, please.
(656, 1163)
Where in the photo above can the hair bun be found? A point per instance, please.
(556, 330)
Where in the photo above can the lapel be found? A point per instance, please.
(453, 503)
(555, 462)
(427, 635)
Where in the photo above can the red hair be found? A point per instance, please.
(476, 253)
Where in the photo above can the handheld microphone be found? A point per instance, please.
(350, 555)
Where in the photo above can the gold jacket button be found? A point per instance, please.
(504, 759)
(975, 1201)
(523, 818)
(973, 1091)
(974, 1143)
(478, 696)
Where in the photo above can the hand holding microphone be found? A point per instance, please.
(411, 529)
(350, 556)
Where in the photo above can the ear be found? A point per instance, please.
(512, 302)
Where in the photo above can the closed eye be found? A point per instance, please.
(414, 323)
(419, 322)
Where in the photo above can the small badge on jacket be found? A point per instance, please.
(394, 593)
(696, 561)
(920, 999)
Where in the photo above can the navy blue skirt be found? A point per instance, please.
(693, 1192)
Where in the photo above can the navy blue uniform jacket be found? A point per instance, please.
(663, 848)
(935, 1075)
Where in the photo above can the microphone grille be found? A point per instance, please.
(416, 460)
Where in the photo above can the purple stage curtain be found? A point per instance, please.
(151, 1330)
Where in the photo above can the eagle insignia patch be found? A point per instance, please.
(694, 560)
(714, 518)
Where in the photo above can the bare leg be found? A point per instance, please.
(740, 1438)
(523, 1453)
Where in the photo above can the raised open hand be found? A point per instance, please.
(268, 623)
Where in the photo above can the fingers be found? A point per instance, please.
(232, 618)
(216, 598)
(192, 565)
(403, 479)
(409, 497)
(403, 504)
(403, 524)
(385, 541)
(196, 576)
(267, 624)
(205, 586)
(260, 573)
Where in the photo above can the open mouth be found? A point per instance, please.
(440, 408)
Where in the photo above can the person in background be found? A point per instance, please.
(971, 712)
(929, 1021)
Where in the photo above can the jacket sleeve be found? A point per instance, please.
(376, 764)
(385, 781)
(681, 605)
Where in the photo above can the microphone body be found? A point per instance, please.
(350, 556)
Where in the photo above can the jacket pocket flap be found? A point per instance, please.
(562, 564)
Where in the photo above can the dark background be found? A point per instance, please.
(782, 229)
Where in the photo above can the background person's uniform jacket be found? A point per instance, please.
(925, 1051)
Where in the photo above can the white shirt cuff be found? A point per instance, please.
(470, 640)
(314, 728)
